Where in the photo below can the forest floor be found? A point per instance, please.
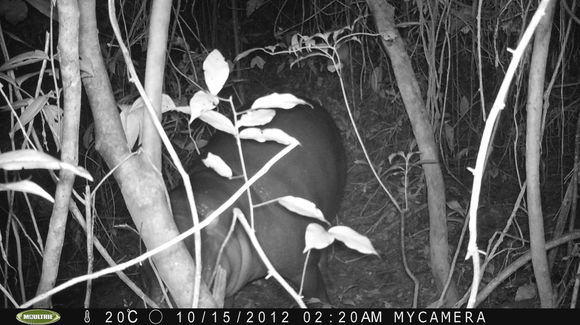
(356, 280)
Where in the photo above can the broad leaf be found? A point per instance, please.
(218, 121)
(316, 237)
(256, 117)
(267, 135)
(216, 71)
(218, 165)
(275, 100)
(302, 207)
(201, 102)
(353, 239)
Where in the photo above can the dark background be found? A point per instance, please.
(355, 280)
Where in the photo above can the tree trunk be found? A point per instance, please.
(68, 46)
(533, 144)
(383, 12)
(140, 182)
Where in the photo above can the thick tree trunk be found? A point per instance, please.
(140, 182)
(383, 13)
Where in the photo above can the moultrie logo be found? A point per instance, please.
(38, 316)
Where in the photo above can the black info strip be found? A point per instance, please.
(290, 316)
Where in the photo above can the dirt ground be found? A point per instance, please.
(356, 280)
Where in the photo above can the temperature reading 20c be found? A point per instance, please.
(121, 317)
